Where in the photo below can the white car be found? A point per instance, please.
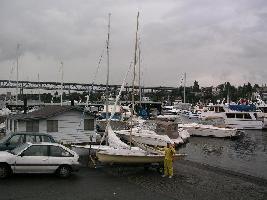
(39, 158)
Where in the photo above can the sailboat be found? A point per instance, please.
(122, 153)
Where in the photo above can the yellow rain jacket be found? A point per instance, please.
(169, 153)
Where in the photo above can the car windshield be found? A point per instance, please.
(17, 150)
(4, 138)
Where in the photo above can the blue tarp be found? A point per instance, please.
(245, 108)
(143, 113)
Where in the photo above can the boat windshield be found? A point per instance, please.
(18, 149)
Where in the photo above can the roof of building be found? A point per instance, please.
(46, 112)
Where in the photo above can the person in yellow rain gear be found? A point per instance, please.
(169, 154)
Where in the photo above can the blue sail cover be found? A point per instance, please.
(244, 108)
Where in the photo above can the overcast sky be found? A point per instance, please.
(213, 41)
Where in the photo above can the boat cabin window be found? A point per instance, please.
(263, 109)
(239, 115)
(211, 109)
(255, 115)
(230, 115)
(219, 109)
(247, 116)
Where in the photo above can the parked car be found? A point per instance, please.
(13, 140)
(39, 158)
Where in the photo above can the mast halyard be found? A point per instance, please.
(134, 67)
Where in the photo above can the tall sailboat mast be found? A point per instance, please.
(134, 67)
(139, 70)
(107, 83)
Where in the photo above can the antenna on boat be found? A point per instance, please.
(134, 66)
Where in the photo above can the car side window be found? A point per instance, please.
(56, 151)
(16, 140)
(36, 150)
(38, 138)
(45, 138)
(30, 138)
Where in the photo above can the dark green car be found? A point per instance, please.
(13, 140)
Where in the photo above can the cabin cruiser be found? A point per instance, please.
(242, 120)
(264, 117)
(213, 111)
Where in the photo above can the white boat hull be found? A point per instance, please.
(209, 130)
(244, 124)
(146, 138)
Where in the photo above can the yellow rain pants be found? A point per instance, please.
(168, 169)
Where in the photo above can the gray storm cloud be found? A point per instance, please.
(213, 41)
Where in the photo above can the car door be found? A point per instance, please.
(59, 156)
(33, 160)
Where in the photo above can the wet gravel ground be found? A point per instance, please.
(197, 181)
(191, 181)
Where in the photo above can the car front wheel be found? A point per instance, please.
(64, 171)
(4, 171)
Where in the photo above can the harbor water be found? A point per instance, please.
(247, 154)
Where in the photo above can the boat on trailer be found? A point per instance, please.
(132, 157)
(120, 152)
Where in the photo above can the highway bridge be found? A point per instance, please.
(68, 86)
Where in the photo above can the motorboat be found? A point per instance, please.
(242, 120)
(196, 129)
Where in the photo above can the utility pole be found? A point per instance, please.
(17, 86)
